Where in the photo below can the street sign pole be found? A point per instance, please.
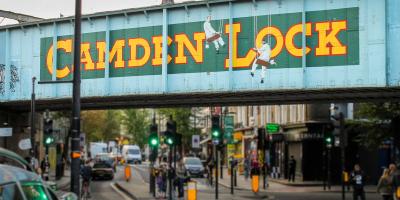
(216, 170)
(76, 103)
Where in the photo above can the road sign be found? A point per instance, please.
(82, 137)
(272, 128)
(25, 144)
(195, 141)
(6, 132)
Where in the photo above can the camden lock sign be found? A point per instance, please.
(332, 39)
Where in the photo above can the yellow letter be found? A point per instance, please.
(134, 43)
(101, 50)
(86, 58)
(275, 32)
(238, 62)
(289, 39)
(157, 59)
(325, 38)
(183, 41)
(117, 50)
(66, 45)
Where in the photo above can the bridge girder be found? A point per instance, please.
(18, 16)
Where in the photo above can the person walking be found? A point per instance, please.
(395, 175)
(181, 178)
(384, 187)
(246, 165)
(358, 181)
(292, 169)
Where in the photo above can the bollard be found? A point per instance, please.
(127, 173)
(192, 190)
(255, 183)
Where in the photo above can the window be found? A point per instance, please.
(35, 192)
(10, 192)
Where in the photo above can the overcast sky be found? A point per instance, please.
(53, 8)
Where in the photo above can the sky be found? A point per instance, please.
(53, 8)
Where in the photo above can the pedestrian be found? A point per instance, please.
(181, 175)
(395, 175)
(358, 181)
(247, 166)
(384, 187)
(162, 182)
(255, 167)
(292, 169)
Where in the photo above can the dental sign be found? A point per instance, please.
(331, 39)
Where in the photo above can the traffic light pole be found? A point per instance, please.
(216, 170)
(76, 103)
(170, 174)
(33, 128)
(342, 153)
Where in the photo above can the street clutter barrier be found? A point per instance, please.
(192, 190)
(127, 173)
(255, 183)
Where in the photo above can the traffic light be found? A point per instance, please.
(169, 138)
(328, 137)
(153, 137)
(338, 132)
(48, 138)
(216, 133)
(170, 133)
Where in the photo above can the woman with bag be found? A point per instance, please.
(385, 185)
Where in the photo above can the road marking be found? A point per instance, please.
(120, 192)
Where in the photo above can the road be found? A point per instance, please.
(102, 190)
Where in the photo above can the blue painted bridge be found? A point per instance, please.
(324, 50)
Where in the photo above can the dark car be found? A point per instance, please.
(102, 170)
(194, 167)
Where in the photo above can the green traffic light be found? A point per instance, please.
(328, 140)
(170, 141)
(49, 140)
(154, 142)
(215, 133)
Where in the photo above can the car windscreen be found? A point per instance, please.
(193, 161)
(10, 191)
(133, 151)
(35, 192)
(101, 165)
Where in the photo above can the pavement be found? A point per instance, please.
(138, 189)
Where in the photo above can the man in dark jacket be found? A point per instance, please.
(358, 181)
(292, 168)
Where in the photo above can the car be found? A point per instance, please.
(194, 167)
(18, 183)
(102, 170)
(107, 158)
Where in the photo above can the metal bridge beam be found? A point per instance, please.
(19, 17)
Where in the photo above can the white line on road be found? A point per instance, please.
(119, 192)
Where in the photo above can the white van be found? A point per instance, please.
(132, 154)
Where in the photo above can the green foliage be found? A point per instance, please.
(137, 124)
(101, 125)
(381, 122)
(182, 118)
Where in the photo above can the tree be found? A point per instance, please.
(382, 124)
(137, 124)
(184, 125)
(101, 125)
